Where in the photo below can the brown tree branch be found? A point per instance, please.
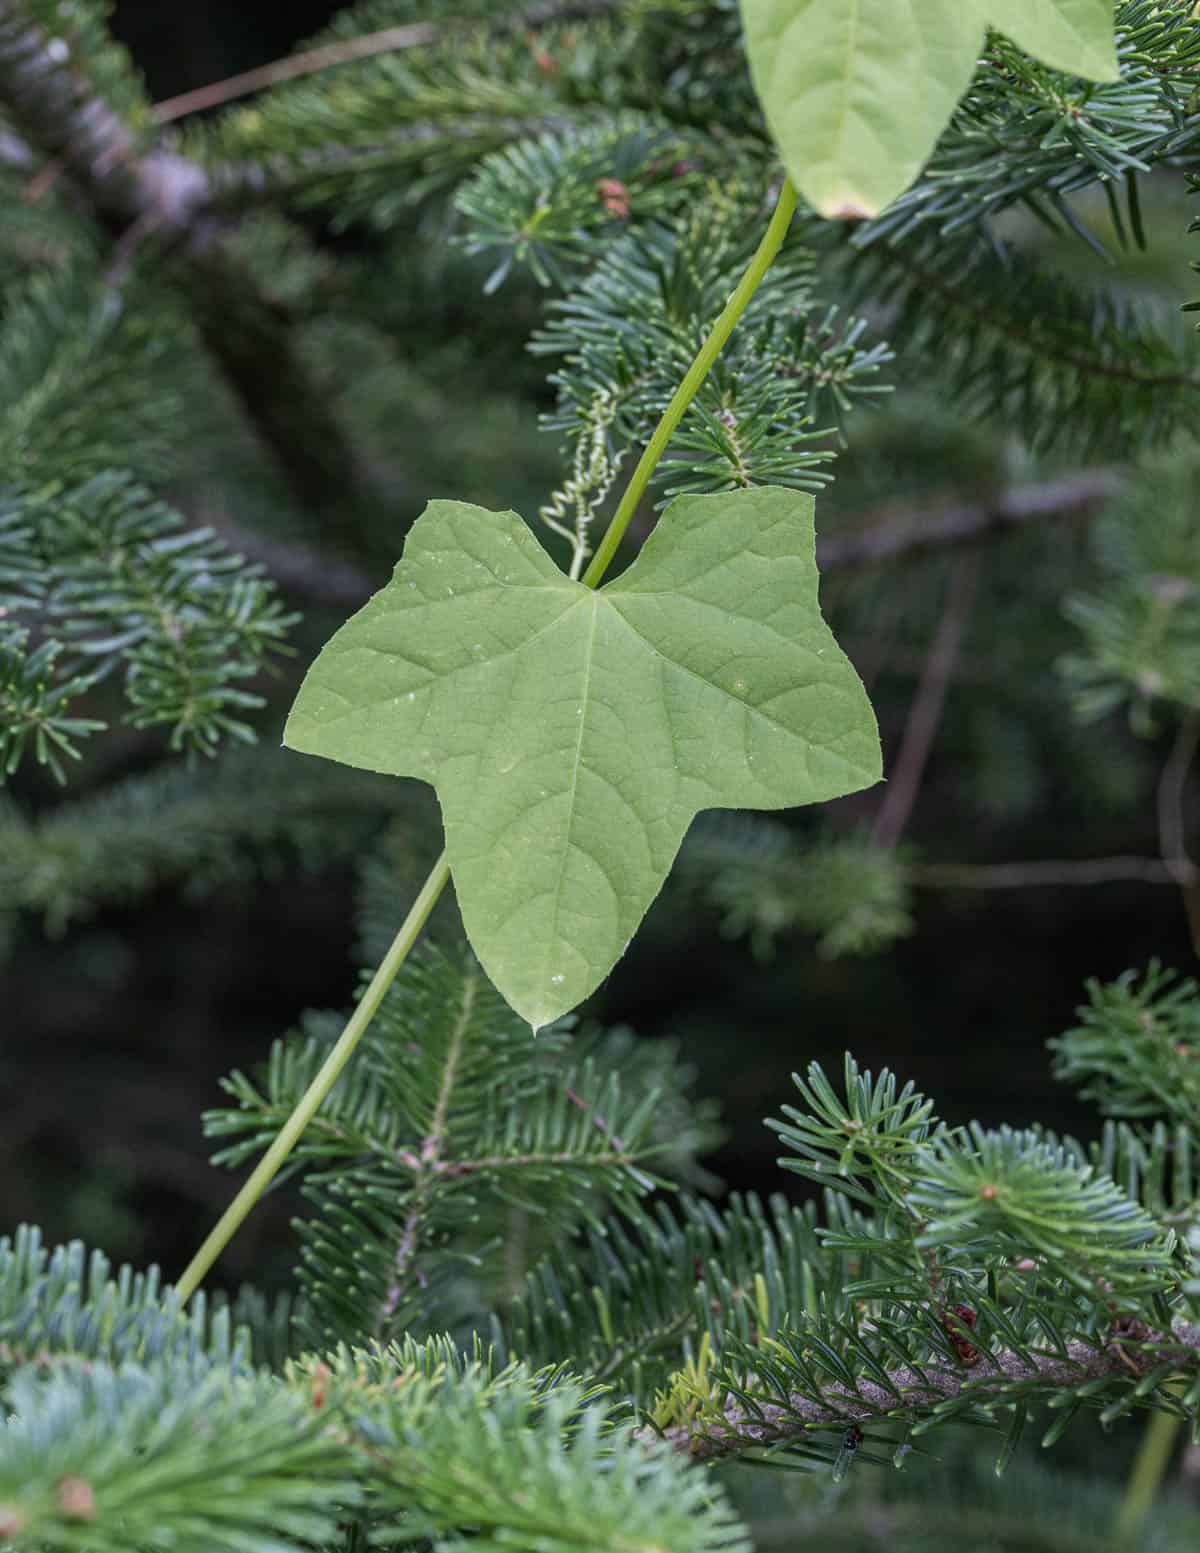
(135, 194)
(895, 533)
(1172, 819)
(1022, 876)
(388, 40)
(926, 711)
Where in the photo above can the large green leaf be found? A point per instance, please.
(572, 735)
(856, 92)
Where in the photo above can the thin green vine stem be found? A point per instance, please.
(289, 1135)
(1146, 1476)
(772, 242)
(264, 1172)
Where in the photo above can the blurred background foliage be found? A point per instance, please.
(164, 918)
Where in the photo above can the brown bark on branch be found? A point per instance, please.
(388, 40)
(925, 715)
(135, 194)
(905, 532)
(1037, 875)
(1172, 819)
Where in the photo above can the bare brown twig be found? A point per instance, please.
(1172, 819)
(894, 533)
(388, 40)
(53, 107)
(1020, 876)
(428, 1164)
(926, 712)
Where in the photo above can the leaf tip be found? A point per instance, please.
(845, 207)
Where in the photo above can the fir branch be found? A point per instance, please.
(627, 331)
(1015, 1192)
(386, 40)
(532, 1462)
(36, 704)
(392, 132)
(345, 50)
(451, 1116)
(39, 236)
(95, 1456)
(119, 585)
(544, 1472)
(199, 829)
(134, 195)
(1134, 1049)
(1009, 339)
(1029, 1196)
(480, 82)
(429, 1161)
(1140, 626)
(56, 108)
(418, 1438)
(933, 1389)
(992, 1269)
(635, 1302)
(442, 1041)
(84, 385)
(555, 203)
(65, 1301)
(1026, 134)
(766, 882)
(1155, 1165)
(685, 1127)
(84, 35)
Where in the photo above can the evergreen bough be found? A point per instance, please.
(521, 1322)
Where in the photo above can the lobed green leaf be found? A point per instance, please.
(573, 734)
(856, 94)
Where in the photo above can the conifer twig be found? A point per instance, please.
(387, 40)
(54, 108)
(926, 712)
(1172, 795)
(1021, 876)
(901, 533)
(961, 295)
(429, 1164)
(908, 1390)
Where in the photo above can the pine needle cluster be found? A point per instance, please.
(951, 1274)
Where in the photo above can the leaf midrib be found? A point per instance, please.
(585, 701)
